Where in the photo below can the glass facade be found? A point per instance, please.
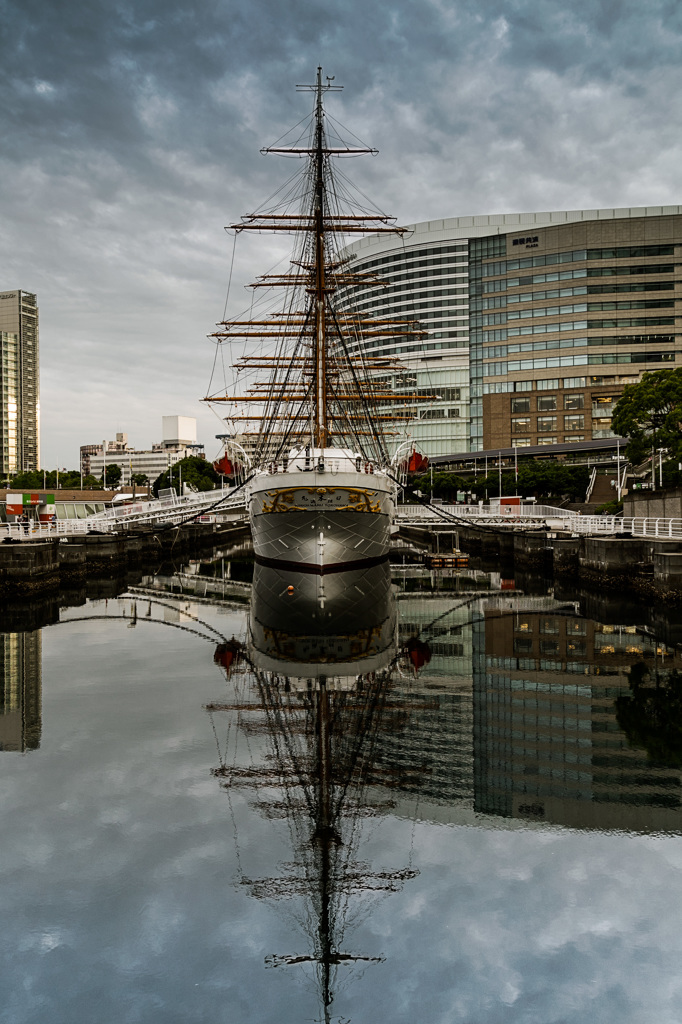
(515, 304)
(519, 326)
(429, 284)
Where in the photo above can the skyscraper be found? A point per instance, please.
(19, 383)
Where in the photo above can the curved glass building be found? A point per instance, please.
(533, 322)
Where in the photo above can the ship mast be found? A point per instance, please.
(321, 388)
(320, 404)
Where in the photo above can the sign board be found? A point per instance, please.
(17, 504)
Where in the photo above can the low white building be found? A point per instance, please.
(179, 442)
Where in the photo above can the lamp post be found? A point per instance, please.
(104, 465)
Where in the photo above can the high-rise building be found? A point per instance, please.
(19, 383)
(562, 317)
(533, 322)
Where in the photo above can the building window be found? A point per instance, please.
(547, 440)
(574, 422)
(574, 437)
(520, 405)
(520, 442)
(546, 403)
(521, 425)
(547, 385)
(603, 406)
(546, 423)
(574, 401)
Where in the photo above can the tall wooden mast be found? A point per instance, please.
(320, 406)
(321, 388)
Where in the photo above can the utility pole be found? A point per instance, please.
(653, 469)
(104, 465)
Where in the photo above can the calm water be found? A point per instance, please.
(341, 804)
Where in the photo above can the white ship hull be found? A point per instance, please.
(321, 520)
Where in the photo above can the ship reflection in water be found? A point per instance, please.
(490, 710)
(320, 660)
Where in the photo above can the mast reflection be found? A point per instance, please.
(321, 655)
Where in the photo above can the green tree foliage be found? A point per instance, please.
(195, 471)
(539, 479)
(649, 413)
(69, 479)
(651, 715)
(113, 476)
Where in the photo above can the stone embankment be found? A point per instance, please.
(37, 567)
(646, 567)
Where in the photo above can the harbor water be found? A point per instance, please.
(383, 796)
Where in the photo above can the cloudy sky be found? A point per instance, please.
(132, 131)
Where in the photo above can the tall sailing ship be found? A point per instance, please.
(318, 423)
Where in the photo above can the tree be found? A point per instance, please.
(194, 471)
(651, 714)
(113, 475)
(649, 414)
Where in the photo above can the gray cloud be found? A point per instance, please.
(132, 134)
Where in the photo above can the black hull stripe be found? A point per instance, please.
(321, 570)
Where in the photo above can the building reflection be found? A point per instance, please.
(527, 711)
(20, 690)
(549, 691)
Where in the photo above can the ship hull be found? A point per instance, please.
(320, 521)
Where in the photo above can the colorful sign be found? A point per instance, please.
(17, 504)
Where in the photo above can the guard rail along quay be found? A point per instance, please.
(540, 517)
(204, 507)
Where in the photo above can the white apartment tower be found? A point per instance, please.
(19, 383)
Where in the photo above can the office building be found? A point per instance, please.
(19, 383)
(562, 317)
(424, 276)
(179, 442)
(534, 321)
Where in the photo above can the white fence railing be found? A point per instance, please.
(509, 512)
(555, 518)
(670, 529)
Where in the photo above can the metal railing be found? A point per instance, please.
(637, 526)
(511, 513)
(555, 518)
